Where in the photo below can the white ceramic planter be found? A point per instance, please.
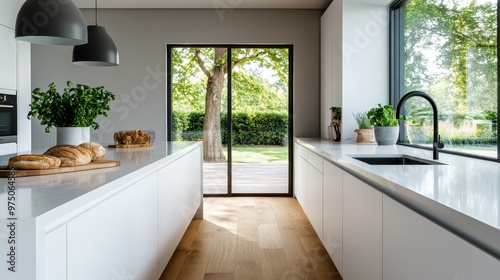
(73, 135)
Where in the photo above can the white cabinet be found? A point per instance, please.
(315, 198)
(300, 186)
(118, 237)
(177, 208)
(55, 254)
(8, 54)
(309, 186)
(362, 230)
(332, 212)
(416, 248)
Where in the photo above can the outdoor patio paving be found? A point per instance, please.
(247, 178)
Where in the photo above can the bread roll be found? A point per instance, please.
(34, 162)
(70, 155)
(98, 151)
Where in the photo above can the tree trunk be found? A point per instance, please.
(212, 141)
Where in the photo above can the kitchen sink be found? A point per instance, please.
(395, 160)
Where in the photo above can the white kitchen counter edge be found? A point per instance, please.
(481, 235)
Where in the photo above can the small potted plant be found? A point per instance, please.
(73, 112)
(335, 124)
(385, 123)
(365, 129)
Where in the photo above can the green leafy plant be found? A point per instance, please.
(383, 116)
(77, 107)
(362, 120)
(336, 113)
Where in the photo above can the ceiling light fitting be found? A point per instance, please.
(100, 49)
(51, 22)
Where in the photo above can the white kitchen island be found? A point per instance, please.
(115, 223)
(396, 222)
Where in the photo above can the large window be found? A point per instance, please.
(448, 49)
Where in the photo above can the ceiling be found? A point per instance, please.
(205, 4)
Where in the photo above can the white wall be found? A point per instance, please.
(361, 49)
(139, 81)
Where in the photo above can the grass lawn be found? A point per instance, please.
(260, 154)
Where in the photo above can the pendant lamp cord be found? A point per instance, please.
(95, 12)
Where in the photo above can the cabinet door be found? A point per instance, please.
(300, 185)
(55, 254)
(332, 212)
(118, 238)
(315, 199)
(179, 197)
(362, 230)
(416, 248)
(8, 54)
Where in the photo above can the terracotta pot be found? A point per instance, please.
(365, 135)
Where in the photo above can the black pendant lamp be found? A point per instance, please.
(51, 23)
(100, 49)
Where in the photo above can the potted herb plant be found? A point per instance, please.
(385, 123)
(73, 112)
(365, 129)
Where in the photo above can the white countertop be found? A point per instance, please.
(50, 196)
(463, 195)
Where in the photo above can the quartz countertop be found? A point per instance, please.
(57, 194)
(462, 195)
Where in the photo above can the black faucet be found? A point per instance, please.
(437, 138)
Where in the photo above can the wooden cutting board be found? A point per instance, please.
(104, 163)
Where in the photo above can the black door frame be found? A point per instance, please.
(229, 110)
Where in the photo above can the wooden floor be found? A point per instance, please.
(250, 238)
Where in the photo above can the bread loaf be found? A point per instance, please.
(98, 151)
(34, 162)
(70, 155)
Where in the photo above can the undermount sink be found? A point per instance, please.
(395, 160)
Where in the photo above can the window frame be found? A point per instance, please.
(396, 72)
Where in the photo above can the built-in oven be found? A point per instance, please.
(8, 116)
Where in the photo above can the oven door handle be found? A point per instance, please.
(6, 106)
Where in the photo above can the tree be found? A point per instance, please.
(212, 64)
(458, 39)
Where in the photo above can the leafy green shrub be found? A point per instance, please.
(260, 128)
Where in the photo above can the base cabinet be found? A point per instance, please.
(301, 167)
(309, 186)
(117, 237)
(362, 230)
(177, 208)
(131, 234)
(416, 248)
(332, 212)
(369, 235)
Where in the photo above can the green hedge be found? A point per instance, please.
(259, 128)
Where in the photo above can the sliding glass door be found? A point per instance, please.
(237, 101)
